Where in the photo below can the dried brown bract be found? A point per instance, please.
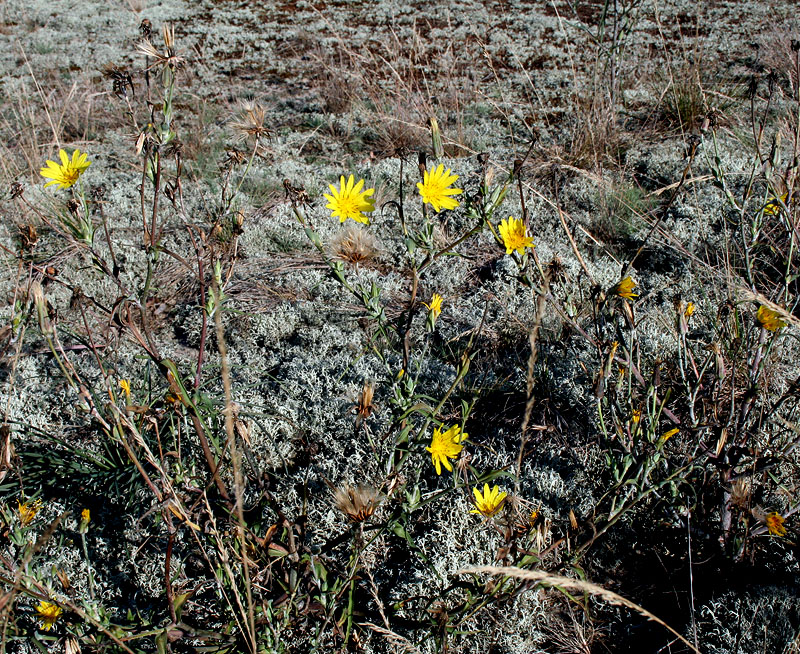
(365, 406)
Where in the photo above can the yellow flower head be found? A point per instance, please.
(775, 524)
(625, 289)
(637, 416)
(435, 307)
(349, 201)
(27, 511)
(775, 205)
(435, 188)
(512, 231)
(769, 319)
(446, 446)
(86, 516)
(48, 614)
(125, 385)
(689, 310)
(67, 172)
(489, 502)
(669, 434)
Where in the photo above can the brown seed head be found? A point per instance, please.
(357, 503)
(354, 245)
(250, 121)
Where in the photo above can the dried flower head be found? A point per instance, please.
(27, 511)
(250, 121)
(435, 188)
(774, 523)
(489, 502)
(169, 57)
(68, 171)
(349, 201)
(625, 289)
(63, 577)
(740, 493)
(769, 319)
(365, 406)
(48, 614)
(445, 446)
(354, 245)
(357, 503)
(513, 233)
(121, 80)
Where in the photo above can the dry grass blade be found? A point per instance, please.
(575, 585)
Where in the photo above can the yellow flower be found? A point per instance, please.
(435, 188)
(446, 446)
(775, 205)
(67, 172)
(48, 614)
(489, 502)
(625, 289)
(125, 385)
(512, 231)
(27, 511)
(769, 319)
(637, 415)
(775, 524)
(689, 310)
(435, 307)
(86, 517)
(669, 434)
(349, 201)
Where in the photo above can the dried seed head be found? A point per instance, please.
(357, 503)
(740, 493)
(28, 236)
(169, 57)
(121, 80)
(354, 245)
(16, 189)
(146, 29)
(40, 304)
(250, 121)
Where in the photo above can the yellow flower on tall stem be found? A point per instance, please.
(489, 502)
(68, 171)
(625, 289)
(349, 201)
(48, 614)
(512, 231)
(445, 446)
(435, 188)
(769, 319)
